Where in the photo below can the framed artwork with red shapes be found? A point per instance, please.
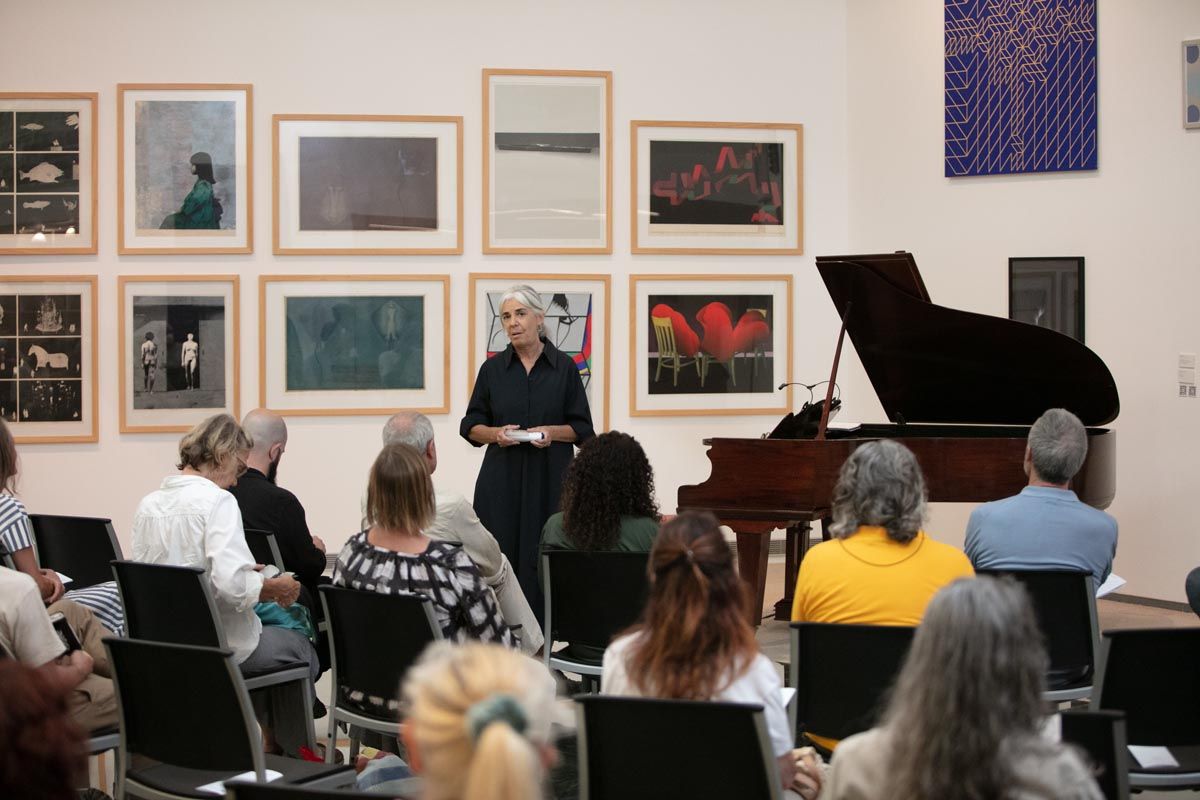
(576, 322)
(710, 344)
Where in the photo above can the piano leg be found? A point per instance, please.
(752, 552)
(795, 548)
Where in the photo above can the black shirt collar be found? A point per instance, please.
(548, 353)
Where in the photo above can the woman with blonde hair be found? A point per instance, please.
(478, 723)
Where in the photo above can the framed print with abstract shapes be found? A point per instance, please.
(367, 185)
(354, 344)
(717, 188)
(710, 344)
(1047, 292)
(179, 344)
(48, 358)
(547, 161)
(1191, 83)
(184, 168)
(577, 323)
(47, 173)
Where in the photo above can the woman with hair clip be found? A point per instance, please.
(478, 723)
(694, 642)
(965, 715)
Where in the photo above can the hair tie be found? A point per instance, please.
(496, 708)
(691, 557)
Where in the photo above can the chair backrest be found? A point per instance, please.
(264, 547)
(664, 335)
(78, 547)
(592, 595)
(168, 604)
(1153, 675)
(1064, 602)
(184, 706)
(843, 673)
(644, 749)
(1101, 736)
(374, 638)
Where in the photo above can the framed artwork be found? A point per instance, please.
(1191, 83)
(48, 358)
(577, 323)
(547, 161)
(47, 173)
(710, 344)
(717, 188)
(184, 169)
(179, 343)
(1047, 292)
(367, 185)
(1020, 86)
(354, 345)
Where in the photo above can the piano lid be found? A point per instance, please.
(929, 363)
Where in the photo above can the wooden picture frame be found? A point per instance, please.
(179, 337)
(162, 206)
(1048, 292)
(528, 157)
(363, 184)
(48, 356)
(713, 331)
(578, 322)
(761, 210)
(343, 345)
(48, 169)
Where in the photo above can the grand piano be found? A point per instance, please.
(961, 390)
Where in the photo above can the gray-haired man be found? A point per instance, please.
(1046, 526)
(457, 521)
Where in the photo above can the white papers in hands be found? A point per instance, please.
(218, 787)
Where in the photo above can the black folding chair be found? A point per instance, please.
(720, 750)
(842, 675)
(1064, 602)
(264, 547)
(186, 721)
(79, 547)
(1153, 675)
(590, 597)
(374, 639)
(236, 790)
(1101, 737)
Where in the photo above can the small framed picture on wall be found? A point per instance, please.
(1191, 83)
(1047, 292)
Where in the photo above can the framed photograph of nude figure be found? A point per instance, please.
(354, 344)
(178, 338)
(47, 173)
(1047, 292)
(48, 358)
(184, 168)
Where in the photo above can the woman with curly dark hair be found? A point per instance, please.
(44, 753)
(607, 499)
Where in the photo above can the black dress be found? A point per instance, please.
(519, 486)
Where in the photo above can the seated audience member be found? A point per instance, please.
(192, 521)
(27, 634)
(1046, 526)
(880, 568)
(1192, 588)
(478, 723)
(44, 753)
(16, 540)
(393, 556)
(455, 521)
(965, 716)
(694, 642)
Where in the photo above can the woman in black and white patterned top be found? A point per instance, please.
(392, 556)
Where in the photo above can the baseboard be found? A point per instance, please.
(1135, 600)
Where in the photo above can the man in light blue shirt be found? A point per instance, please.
(1045, 526)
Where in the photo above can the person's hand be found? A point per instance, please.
(50, 586)
(79, 662)
(545, 440)
(283, 590)
(317, 543)
(502, 435)
(809, 774)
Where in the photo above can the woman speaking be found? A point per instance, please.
(530, 409)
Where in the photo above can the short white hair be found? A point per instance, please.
(408, 427)
(525, 295)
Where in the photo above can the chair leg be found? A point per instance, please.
(732, 376)
(675, 371)
(658, 371)
(355, 738)
(331, 742)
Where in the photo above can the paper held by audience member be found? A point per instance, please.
(64, 579)
(1110, 585)
(1151, 756)
(218, 787)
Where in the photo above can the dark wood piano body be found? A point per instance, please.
(983, 379)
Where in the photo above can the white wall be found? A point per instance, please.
(1134, 220)
(775, 61)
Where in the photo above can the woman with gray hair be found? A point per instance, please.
(880, 568)
(965, 714)
(529, 409)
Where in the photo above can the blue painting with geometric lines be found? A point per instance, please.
(1020, 86)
